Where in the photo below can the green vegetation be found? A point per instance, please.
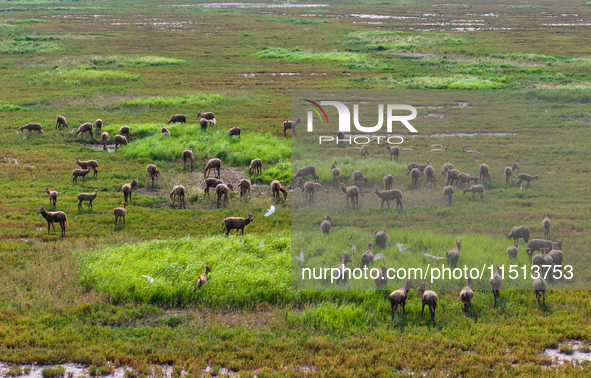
(345, 59)
(281, 172)
(581, 96)
(101, 59)
(27, 47)
(99, 371)
(14, 371)
(127, 61)
(9, 108)
(176, 265)
(402, 41)
(193, 101)
(52, 372)
(213, 143)
(433, 82)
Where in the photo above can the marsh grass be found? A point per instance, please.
(81, 76)
(581, 96)
(403, 41)
(9, 108)
(14, 371)
(27, 46)
(213, 143)
(434, 82)
(53, 372)
(326, 252)
(281, 172)
(191, 100)
(129, 61)
(346, 59)
(48, 317)
(246, 271)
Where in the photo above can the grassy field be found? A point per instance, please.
(504, 205)
(82, 298)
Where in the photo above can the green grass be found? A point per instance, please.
(237, 152)
(81, 76)
(581, 96)
(281, 172)
(175, 266)
(403, 41)
(47, 316)
(127, 61)
(53, 372)
(14, 371)
(345, 59)
(9, 108)
(192, 100)
(433, 82)
(27, 47)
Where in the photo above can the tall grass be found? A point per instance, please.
(129, 61)
(434, 82)
(8, 108)
(25, 47)
(581, 96)
(232, 151)
(281, 172)
(53, 372)
(350, 60)
(246, 270)
(402, 41)
(81, 76)
(192, 100)
(326, 252)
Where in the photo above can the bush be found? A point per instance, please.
(55, 371)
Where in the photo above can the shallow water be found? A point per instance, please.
(161, 371)
(559, 358)
(72, 370)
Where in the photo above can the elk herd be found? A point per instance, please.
(550, 252)
(178, 193)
